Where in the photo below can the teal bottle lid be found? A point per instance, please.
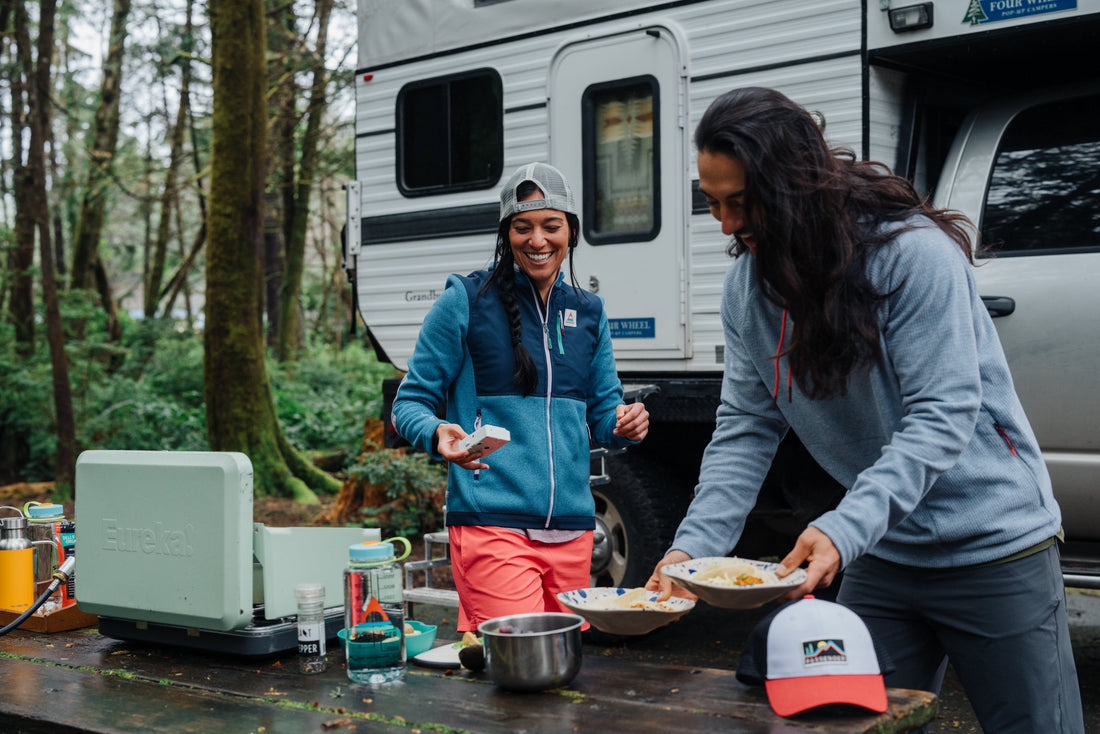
(371, 550)
(37, 512)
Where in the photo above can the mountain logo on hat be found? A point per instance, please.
(815, 652)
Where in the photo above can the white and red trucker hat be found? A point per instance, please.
(812, 653)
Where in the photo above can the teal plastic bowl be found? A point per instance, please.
(364, 653)
(422, 642)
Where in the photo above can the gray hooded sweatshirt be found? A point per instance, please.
(941, 466)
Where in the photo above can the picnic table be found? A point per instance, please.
(80, 680)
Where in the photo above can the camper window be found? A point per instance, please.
(450, 133)
(1042, 196)
(621, 137)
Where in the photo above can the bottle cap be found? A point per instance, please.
(40, 511)
(371, 550)
(13, 523)
(306, 592)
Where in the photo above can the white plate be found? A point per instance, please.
(443, 656)
(731, 597)
(591, 604)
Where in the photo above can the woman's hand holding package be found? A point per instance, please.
(448, 438)
(632, 421)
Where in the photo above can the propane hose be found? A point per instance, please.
(60, 576)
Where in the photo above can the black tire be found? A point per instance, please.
(637, 512)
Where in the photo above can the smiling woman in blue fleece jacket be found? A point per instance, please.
(516, 347)
(852, 317)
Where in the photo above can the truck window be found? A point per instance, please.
(450, 133)
(1044, 193)
(621, 157)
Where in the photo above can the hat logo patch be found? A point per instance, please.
(817, 652)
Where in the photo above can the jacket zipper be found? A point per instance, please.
(544, 316)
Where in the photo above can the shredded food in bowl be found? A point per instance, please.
(736, 574)
(633, 599)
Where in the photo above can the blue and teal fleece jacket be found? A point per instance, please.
(463, 360)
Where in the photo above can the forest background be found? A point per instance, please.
(171, 268)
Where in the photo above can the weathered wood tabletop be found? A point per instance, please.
(82, 681)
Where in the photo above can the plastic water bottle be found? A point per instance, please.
(311, 627)
(374, 618)
(42, 520)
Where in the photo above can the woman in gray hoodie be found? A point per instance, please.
(852, 317)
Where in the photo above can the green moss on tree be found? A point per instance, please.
(239, 407)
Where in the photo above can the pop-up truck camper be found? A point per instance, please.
(989, 106)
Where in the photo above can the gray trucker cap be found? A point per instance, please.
(559, 195)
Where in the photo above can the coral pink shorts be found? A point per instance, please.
(499, 571)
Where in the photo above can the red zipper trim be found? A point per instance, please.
(1004, 435)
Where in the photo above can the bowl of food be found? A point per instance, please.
(625, 611)
(419, 637)
(732, 583)
(532, 652)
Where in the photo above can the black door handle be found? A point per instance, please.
(999, 305)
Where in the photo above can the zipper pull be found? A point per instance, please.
(561, 335)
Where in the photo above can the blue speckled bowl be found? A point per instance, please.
(592, 605)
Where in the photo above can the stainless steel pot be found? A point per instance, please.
(532, 652)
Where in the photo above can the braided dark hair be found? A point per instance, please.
(502, 277)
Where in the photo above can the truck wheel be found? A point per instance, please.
(636, 518)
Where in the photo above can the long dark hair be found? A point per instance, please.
(814, 214)
(502, 278)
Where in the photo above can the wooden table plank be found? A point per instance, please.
(607, 695)
(54, 699)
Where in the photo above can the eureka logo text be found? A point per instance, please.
(155, 540)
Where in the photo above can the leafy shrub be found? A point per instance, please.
(147, 393)
(28, 437)
(414, 488)
(322, 399)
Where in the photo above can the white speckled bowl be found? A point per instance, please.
(588, 603)
(731, 597)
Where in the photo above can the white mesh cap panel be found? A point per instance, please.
(558, 194)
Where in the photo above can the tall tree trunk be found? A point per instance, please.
(167, 198)
(291, 328)
(274, 264)
(240, 411)
(65, 472)
(64, 187)
(21, 257)
(279, 199)
(104, 142)
(183, 287)
(178, 281)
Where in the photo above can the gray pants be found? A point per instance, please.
(1003, 627)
